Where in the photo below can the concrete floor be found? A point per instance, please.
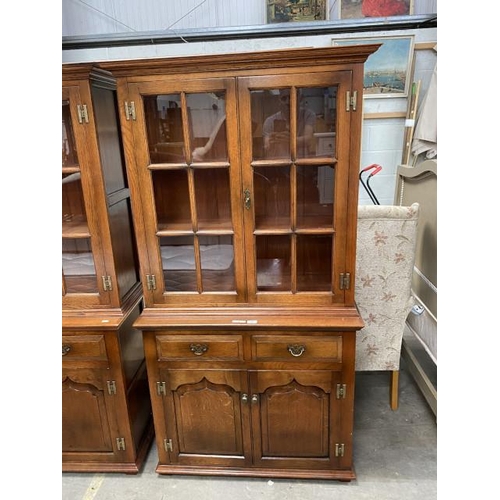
(395, 458)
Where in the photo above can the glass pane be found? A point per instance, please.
(217, 263)
(179, 269)
(314, 263)
(272, 197)
(273, 263)
(171, 195)
(74, 217)
(271, 123)
(213, 198)
(69, 156)
(164, 128)
(207, 123)
(315, 196)
(78, 266)
(316, 121)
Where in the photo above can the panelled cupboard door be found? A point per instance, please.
(295, 419)
(295, 183)
(188, 178)
(89, 427)
(206, 417)
(83, 264)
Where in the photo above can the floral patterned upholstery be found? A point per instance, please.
(386, 244)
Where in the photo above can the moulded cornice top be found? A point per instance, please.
(242, 60)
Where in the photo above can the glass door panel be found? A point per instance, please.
(163, 115)
(272, 198)
(315, 190)
(78, 266)
(314, 263)
(171, 197)
(207, 126)
(179, 263)
(69, 154)
(217, 263)
(273, 262)
(213, 198)
(187, 164)
(316, 121)
(295, 172)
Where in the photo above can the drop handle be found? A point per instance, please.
(248, 201)
(296, 350)
(255, 398)
(244, 398)
(65, 349)
(198, 349)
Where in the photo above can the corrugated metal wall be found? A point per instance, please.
(94, 17)
(90, 17)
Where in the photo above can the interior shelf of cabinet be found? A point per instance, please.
(75, 226)
(182, 228)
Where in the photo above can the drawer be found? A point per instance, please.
(84, 348)
(297, 348)
(200, 347)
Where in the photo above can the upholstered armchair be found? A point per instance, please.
(385, 257)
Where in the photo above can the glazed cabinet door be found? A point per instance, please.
(295, 150)
(83, 265)
(206, 417)
(186, 171)
(296, 419)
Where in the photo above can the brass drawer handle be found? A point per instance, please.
(296, 350)
(65, 349)
(198, 349)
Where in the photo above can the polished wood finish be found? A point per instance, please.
(106, 409)
(246, 236)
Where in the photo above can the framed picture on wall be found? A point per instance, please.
(387, 71)
(356, 9)
(284, 11)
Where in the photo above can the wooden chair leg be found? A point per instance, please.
(394, 389)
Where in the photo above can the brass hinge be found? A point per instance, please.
(107, 283)
(341, 391)
(168, 444)
(345, 281)
(351, 101)
(83, 115)
(120, 444)
(339, 449)
(111, 387)
(130, 110)
(161, 389)
(151, 281)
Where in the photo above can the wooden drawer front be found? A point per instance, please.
(83, 347)
(200, 347)
(297, 348)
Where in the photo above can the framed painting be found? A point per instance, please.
(356, 9)
(284, 11)
(387, 71)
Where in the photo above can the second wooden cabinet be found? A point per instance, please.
(245, 217)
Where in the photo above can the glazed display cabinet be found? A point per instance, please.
(243, 173)
(106, 409)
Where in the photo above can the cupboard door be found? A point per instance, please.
(83, 266)
(89, 428)
(187, 166)
(295, 418)
(295, 147)
(207, 417)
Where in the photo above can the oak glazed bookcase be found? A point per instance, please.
(107, 421)
(243, 172)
